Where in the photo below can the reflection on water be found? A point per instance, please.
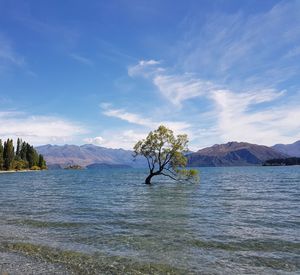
(241, 220)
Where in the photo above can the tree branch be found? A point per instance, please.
(172, 172)
(152, 163)
(148, 163)
(168, 159)
(169, 176)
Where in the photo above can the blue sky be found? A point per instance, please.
(107, 72)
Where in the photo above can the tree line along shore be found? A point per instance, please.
(25, 157)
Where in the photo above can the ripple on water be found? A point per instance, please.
(238, 220)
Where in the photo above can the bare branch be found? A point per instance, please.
(169, 176)
(148, 163)
(172, 172)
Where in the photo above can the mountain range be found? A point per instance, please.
(233, 154)
(229, 154)
(292, 150)
(85, 155)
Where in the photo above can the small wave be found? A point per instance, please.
(250, 245)
(81, 263)
(50, 224)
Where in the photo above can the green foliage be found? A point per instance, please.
(20, 164)
(165, 154)
(8, 154)
(31, 156)
(188, 174)
(35, 167)
(23, 151)
(42, 162)
(18, 148)
(25, 157)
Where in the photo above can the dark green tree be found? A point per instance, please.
(8, 154)
(165, 155)
(18, 150)
(31, 156)
(42, 162)
(23, 151)
(1, 155)
(25, 156)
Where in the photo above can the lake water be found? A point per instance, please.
(238, 220)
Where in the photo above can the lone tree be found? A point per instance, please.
(165, 155)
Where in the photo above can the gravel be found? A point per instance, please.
(16, 264)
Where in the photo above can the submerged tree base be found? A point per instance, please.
(148, 180)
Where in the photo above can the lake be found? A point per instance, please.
(238, 220)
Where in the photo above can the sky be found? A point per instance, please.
(108, 72)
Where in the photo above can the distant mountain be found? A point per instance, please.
(106, 165)
(292, 150)
(229, 154)
(66, 155)
(233, 154)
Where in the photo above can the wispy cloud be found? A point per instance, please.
(230, 76)
(113, 52)
(138, 127)
(242, 115)
(145, 68)
(294, 52)
(129, 117)
(81, 59)
(174, 87)
(8, 55)
(178, 88)
(236, 48)
(137, 119)
(117, 139)
(268, 126)
(244, 66)
(56, 34)
(38, 129)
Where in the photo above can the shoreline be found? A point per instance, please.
(19, 171)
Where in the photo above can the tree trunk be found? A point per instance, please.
(148, 179)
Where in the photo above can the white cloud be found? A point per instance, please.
(241, 101)
(38, 129)
(176, 126)
(120, 139)
(178, 88)
(129, 117)
(238, 115)
(148, 62)
(268, 126)
(144, 68)
(95, 140)
(245, 65)
(174, 87)
(127, 138)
